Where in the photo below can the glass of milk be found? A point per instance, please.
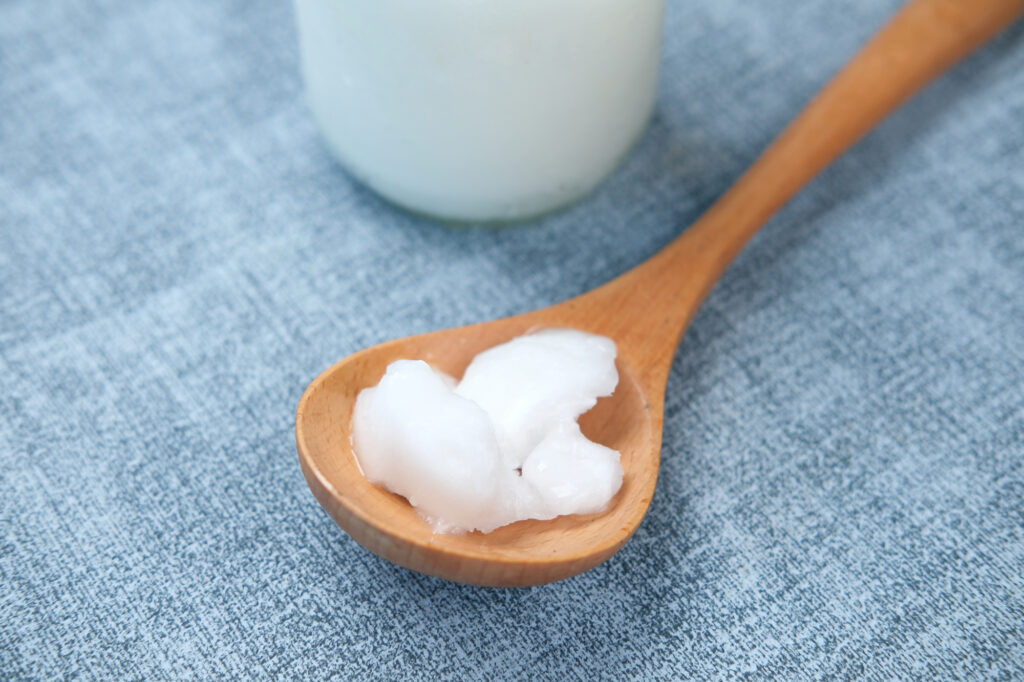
(481, 110)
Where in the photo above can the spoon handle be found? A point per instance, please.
(924, 39)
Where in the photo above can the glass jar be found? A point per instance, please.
(481, 110)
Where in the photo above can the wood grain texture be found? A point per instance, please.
(646, 312)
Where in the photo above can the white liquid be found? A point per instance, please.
(480, 109)
(502, 445)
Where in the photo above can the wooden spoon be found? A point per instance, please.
(645, 311)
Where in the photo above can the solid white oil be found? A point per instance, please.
(503, 444)
(483, 110)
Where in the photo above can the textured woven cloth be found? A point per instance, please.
(842, 484)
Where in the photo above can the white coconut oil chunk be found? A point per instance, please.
(500, 446)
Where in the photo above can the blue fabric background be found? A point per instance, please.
(842, 488)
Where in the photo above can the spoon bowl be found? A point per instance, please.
(645, 311)
(523, 553)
